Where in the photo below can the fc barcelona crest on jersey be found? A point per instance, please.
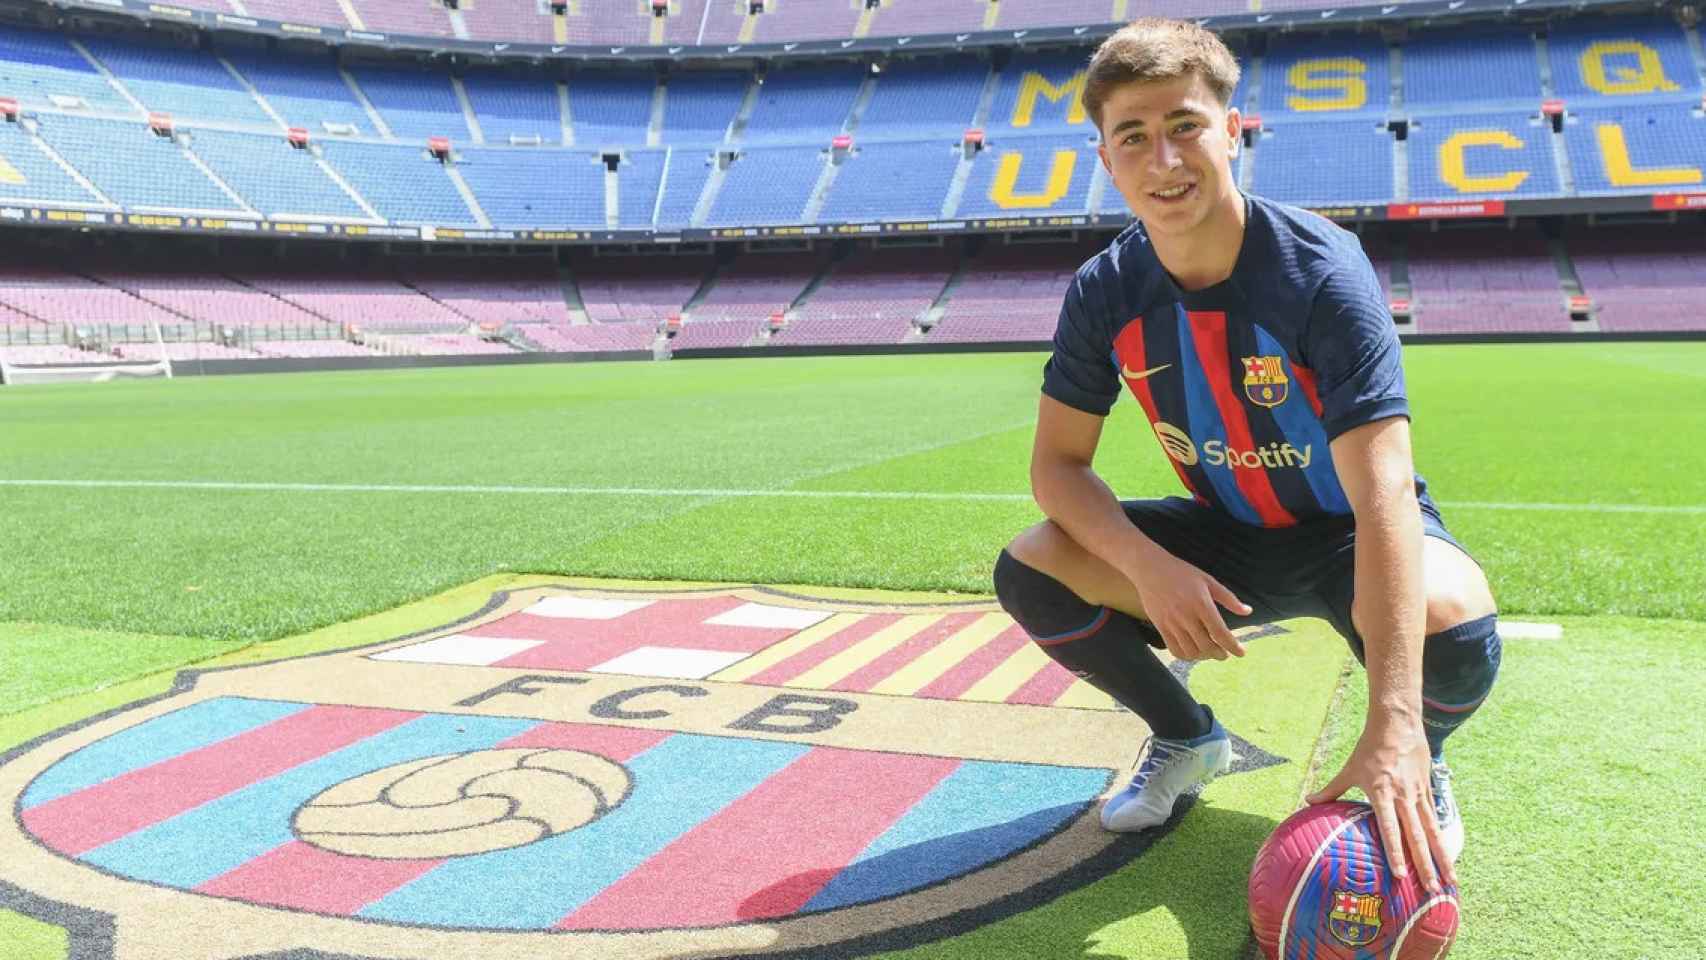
(1355, 917)
(1265, 382)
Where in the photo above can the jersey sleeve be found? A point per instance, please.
(1352, 348)
(1080, 372)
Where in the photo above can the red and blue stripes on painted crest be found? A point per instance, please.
(1304, 431)
(1217, 414)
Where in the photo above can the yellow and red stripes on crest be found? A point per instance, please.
(955, 656)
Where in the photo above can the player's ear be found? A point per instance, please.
(1102, 151)
(1234, 131)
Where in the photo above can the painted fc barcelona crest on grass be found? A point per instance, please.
(584, 772)
(1265, 382)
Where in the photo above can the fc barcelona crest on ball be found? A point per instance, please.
(1355, 917)
(1265, 382)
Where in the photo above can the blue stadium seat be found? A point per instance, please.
(184, 83)
(526, 187)
(1637, 148)
(128, 163)
(1292, 167)
(275, 178)
(306, 90)
(1041, 92)
(416, 104)
(768, 185)
(701, 105)
(1622, 60)
(611, 109)
(519, 106)
(637, 181)
(35, 65)
(1018, 176)
(26, 173)
(892, 181)
(1326, 78)
(1481, 155)
(684, 177)
(404, 183)
(925, 98)
(804, 104)
(1448, 70)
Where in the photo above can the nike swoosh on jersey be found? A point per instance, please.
(1131, 374)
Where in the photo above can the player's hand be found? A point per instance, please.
(1390, 764)
(1184, 604)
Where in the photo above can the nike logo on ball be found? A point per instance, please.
(1131, 374)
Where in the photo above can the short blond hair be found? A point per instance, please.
(1156, 50)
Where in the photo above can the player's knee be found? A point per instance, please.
(1038, 544)
(1459, 601)
(1042, 605)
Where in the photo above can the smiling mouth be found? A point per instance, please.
(1175, 193)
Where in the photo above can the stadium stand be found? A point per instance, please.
(638, 179)
(524, 187)
(1648, 60)
(277, 179)
(768, 185)
(637, 288)
(925, 98)
(135, 168)
(524, 20)
(804, 104)
(1442, 73)
(1482, 281)
(1325, 78)
(601, 22)
(42, 70)
(1292, 167)
(1030, 175)
(491, 290)
(184, 83)
(895, 284)
(706, 334)
(584, 338)
(306, 90)
(1453, 156)
(202, 296)
(1010, 293)
(405, 184)
(700, 106)
(414, 18)
(326, 12)
(52, 295)
(362, 299)
(1642, 278)
(415, 104)
(514, 106)
(611, 108)
(1637, 147)
(758, 285)
(780, 20)
(685, 174)
(27, 173)
(892, 181)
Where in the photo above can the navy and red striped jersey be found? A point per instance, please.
(1246, 382)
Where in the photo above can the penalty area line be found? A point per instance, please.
(592, 491)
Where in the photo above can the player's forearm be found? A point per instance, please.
(1393, 605)
(1075, 497)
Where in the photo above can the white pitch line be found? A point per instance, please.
(1688, 509)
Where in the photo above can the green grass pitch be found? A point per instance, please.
(1576, 473)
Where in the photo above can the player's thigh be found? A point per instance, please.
(1181, 527)
(1456, 587)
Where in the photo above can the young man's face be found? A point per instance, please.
(1160, 137)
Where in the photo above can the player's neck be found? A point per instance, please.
(1206, 254)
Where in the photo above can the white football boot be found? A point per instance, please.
(1168, 769)
(1445, 810)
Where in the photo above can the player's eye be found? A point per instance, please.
(1187, 127)
(1135, 138)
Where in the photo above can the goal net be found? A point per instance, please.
(62, 364)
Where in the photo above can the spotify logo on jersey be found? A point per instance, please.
(1177, 443)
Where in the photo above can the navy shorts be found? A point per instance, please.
(1307, 570)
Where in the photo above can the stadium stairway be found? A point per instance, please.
(112, 80)
(572, 295)
(461, 91)
(468, 197)
(373, 115)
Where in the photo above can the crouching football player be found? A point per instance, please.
(1256, 338)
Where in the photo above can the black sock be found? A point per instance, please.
(1459, 666)
(1106, 647)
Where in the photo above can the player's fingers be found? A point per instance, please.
(1177, 640)
(1334, 789)
(1436, 840)
(1416, 837)
(1227, 598)
(1208, 645)
(1218, 633)
(1391, 837)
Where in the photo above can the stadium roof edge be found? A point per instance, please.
(148, 13)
